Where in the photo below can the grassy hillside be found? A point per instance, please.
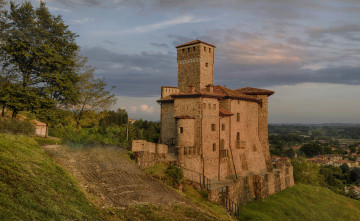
(302, 202)
(33, 187)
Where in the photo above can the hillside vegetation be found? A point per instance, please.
(33, 187)
(302, 202)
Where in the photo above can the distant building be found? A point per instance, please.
(40, 128)
(131, 121)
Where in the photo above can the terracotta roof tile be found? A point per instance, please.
(255, 91)
(194, 42)
(218, 92)
(224, 112)
(166, 99)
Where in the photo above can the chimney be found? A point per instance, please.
(191, 89)
(210, 88)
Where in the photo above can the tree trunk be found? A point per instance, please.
(14, 114)
(77, 126)
(46, 130)
(3, 111)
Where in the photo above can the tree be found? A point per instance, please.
(93, 96)
(113, 118)
(311, 149)
(306, 172)
(41, 52)
(290, 153)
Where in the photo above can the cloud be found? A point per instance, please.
(82, 20)
(159, 45)
(146, 108)
(135, 75)
(334, 30)
(58, 9)
(185, 19)
(98, 3)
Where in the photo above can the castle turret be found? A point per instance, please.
(195, 65)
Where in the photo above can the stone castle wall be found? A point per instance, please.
(254, 186)
(148, 154)
(168, 123)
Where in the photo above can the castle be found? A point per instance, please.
(215, 133)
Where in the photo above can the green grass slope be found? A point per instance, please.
(33, 187)
(302, 202)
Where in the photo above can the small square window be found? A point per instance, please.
(188, 49)
(213, 127)
(209, 106)
(194, 48)
(223, 127)
(204, 48)
(183, 50)
(214, 106)
(210, 50)
(214, 146)
(181, 130)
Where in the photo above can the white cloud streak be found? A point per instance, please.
(82, 21)
(186, 19)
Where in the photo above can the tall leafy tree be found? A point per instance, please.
(93, 95)
(41, 51)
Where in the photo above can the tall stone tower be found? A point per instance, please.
(195, 65)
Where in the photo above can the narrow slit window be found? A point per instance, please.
(223, 127)
(214, 146)
(206, 64)
(188, 49)
(213, 127)
(238, 117)
(194, 48)
(183, 50)
(210, 50)
(209, 106)
(181, 130)
(222, 144)
(214, 106)
(204, 48)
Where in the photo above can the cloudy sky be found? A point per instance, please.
(307, 51)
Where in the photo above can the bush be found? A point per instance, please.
(15, 126)
(174, 176)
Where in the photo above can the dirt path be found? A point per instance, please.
(115, 181)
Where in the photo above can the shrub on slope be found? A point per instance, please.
(33, 187)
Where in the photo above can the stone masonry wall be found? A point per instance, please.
(168, 124)
(253, 186)
(148, 154)
(195, 66)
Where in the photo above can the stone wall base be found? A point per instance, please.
(255, 186)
